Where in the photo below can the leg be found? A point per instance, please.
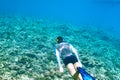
(72, 71)
(77, 64)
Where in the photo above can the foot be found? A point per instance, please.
(75, 76)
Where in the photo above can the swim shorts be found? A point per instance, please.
(70, 59)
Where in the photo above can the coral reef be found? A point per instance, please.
(27, 50)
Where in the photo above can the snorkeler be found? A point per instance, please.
(69, 56)
(70, 59)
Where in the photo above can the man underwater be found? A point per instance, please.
(69, 56)
(71, 60)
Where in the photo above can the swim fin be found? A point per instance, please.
(85, 75)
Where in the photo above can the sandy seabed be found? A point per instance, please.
(27, 50)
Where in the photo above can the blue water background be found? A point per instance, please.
(103, 14)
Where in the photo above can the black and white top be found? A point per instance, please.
(64, 50)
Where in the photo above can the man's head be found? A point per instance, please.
(59, 39)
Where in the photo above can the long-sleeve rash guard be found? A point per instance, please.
(64, 50)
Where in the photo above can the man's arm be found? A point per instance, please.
(58, 60)
(76, 54)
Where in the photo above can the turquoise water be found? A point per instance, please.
(27, 50)
(103, 14)
(28, 31)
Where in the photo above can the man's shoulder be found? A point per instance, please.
(62, 44)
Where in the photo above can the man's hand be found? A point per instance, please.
(61, 69)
